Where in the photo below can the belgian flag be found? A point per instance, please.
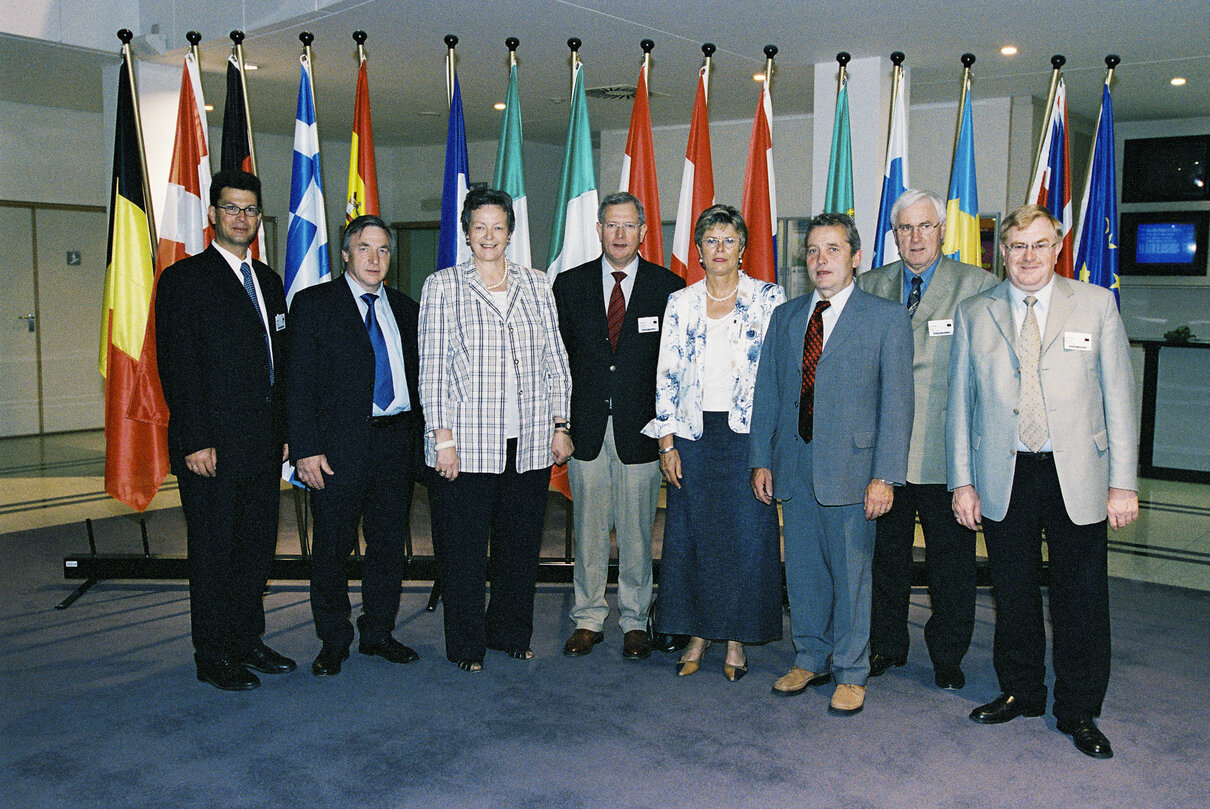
(136, 452)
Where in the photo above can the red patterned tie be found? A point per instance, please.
(812, 347)
(617, 310)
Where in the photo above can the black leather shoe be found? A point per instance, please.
(263, 659)
(880, 663)
(389, 649)
(328, 661)
(950, 678)
(227, 675)
(1004, 708)
(636, 645)
(1088, 739)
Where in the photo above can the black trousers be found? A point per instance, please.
(949, 566)
(1079, 595)
(473, 513)
(231, 527)
(376, 493)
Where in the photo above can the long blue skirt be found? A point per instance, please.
(720, 573)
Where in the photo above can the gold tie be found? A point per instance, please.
(1032, 425)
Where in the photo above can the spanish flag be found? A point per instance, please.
(136, 457)
(363, 177)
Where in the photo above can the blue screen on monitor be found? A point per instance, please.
(1165, 243)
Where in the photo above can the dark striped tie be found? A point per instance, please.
(812, 347)
(914, 296)
(617, 310)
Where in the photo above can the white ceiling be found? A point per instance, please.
(1156, 41)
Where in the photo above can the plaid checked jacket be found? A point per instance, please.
(466, 348)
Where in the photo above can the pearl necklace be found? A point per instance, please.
(726, 297)
(495, 286)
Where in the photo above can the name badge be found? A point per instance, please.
(940, 328)
(279, 322)
(1077, 341)
(649, 324)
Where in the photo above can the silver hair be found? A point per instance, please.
(911, 197)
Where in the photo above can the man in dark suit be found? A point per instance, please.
(929, 286)
(353, 413)
(1042, 439)
(220, 338)
(831, 419)
(609, 316)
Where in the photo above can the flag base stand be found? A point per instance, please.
(94, 567)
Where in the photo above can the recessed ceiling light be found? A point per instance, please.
(758, 77)
(1178, 81)
(209, 108)
(1009, 50)
(251, 66)
(427, 113)
(499, 105)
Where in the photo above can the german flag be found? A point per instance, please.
(362, 197)
(235, 151)
(136, 454)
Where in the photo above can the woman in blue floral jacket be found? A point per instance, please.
(720, 570)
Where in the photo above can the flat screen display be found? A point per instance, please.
(1165, 243)
(1166, 169)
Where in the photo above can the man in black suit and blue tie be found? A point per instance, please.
(220, 341)
(353, 412)
(609, 317)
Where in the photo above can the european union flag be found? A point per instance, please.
(1097, 236)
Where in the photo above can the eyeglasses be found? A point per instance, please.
(1018, 249)
(729, 242)
(924, 228)
(233, 210)
(628, 227)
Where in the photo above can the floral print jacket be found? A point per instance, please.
(678, 392)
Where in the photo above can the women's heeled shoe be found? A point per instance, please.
(686, 667)
(735, 673)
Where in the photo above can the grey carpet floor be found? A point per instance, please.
(101, 709)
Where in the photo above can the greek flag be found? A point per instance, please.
(307, 261)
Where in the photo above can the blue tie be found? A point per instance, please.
(384, 385)
(251, 290)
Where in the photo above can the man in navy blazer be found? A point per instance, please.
(220, 340)
(353, 416)
(831, 421)
(614, 472)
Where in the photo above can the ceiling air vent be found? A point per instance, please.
(616, 92)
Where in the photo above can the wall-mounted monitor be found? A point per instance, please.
(1163, 244)
(1166, 169)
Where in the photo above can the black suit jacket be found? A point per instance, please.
(599, 374)
(330, 393)
(214, 368)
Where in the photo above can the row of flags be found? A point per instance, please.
(135, 412)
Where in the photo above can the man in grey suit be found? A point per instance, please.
(831, 419)
(929, 286)
(1042, 437)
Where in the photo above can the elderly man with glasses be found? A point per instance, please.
(930, 286)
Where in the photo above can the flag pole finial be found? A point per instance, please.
(512, 43)
(237, 37)
(1058, 60)
(843, 58)
(771, 51)
(647, 45)
(306, 38)
(708, 49)
(194, 38)
(967, 60)
(897, 58)
(450, 41)
(360, 37)
(126, 36)
(1112, 61)
(574, 44)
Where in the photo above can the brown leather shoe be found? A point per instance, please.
(848, 700)
(581, 642)
(797, 680)
(636, 645)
